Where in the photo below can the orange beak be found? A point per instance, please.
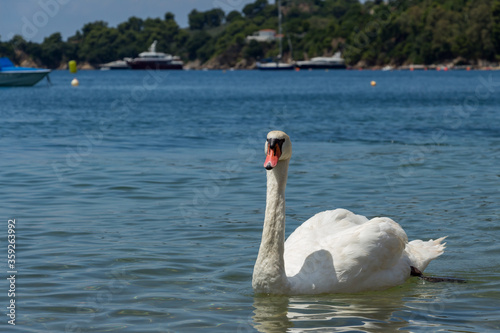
(272, 158)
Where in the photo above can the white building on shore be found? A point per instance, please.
(265, 35)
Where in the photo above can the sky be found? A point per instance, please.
(37, 19)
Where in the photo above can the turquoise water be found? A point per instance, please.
(139, 196)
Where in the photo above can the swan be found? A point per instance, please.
(335, 251)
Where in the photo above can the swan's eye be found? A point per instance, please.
(272, 142)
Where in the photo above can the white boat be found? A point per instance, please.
(334, 62)
(118, 64)
(155, 60)
(274, 65)
(11, 76)
(277, 64)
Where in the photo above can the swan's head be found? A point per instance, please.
(278, 148)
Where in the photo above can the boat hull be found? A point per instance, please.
(107, 68)
(320, 66)
(138, 64)
(115, 65)
(273, 66)
(22, 78)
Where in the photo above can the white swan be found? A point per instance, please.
(334, 251)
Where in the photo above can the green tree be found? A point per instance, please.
(169, 16)
(233, 16)
(495, 16)
(133, 24)
(254, 50)
(253, 9)
(7, 50)
(196, 42)
(214, 18)
(97, 44)
(196, 20)
(52, 50)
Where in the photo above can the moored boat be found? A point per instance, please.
(11, 76)
(334, 62)
(274, 65)
(118, 64)
(155, 60)
(277, 64)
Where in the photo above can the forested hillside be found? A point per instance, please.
(373, 33)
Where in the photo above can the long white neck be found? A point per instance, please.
(269, 272)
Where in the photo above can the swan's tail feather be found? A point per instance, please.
(438, 245)
(421, 253)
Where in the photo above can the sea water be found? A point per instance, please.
(138, 197)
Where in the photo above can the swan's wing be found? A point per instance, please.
(363, 254)
(377, 245)
(314, 235)
(372, 256)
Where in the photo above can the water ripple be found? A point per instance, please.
(149, 219)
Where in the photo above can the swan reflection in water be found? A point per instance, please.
(367, 312)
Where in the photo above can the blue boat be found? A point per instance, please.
(12, 76)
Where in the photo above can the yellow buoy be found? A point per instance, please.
(72, 66)
(75, 82)
(373, 83)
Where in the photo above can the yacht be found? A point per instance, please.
(155, 60)
(335, 62)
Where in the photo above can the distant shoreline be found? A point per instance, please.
(369, 35)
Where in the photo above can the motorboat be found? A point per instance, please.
(12, 76)
(334, 62)
(118, 64)
(155, 60)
